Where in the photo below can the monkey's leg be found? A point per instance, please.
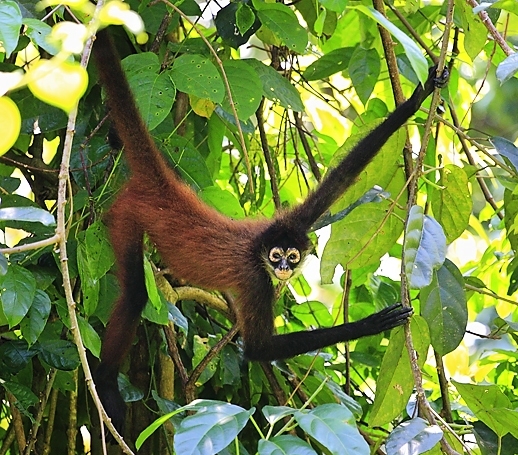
(127, 241)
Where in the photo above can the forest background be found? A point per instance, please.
(251, 102)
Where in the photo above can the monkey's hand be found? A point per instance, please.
(386, 319)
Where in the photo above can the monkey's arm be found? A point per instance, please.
(261, 344)
(340, 178)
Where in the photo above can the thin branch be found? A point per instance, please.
(268, 156)
(61, 232)
(305, 144)
(31, 246)
(486, 20)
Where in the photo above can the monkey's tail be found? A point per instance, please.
(140, 151)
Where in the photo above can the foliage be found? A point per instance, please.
(252, 123)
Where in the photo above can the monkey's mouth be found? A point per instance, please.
(283, 274)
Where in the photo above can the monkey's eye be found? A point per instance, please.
(293, 255)
(276, 254)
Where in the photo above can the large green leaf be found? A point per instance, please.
(276, 87)
(284, 445)
(283, 22)
(211, 429)
(197, 75)
(364, 70)
(17, 290)
(245, 86)
(333, 426)
(329, 64)
(452, 203)
(395, 381)
(424, 247)
(27, 214)
(414, 436)
(10, 23)
(34, 321)
(60, 354)
(491, 406)
(413, 52)
(443, 305)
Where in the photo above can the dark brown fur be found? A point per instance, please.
(209, 250)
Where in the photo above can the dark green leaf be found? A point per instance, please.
(283, 22)
(364, 70)
(276, 87)
(506, 148)
(329, 64)
(443, 305)
(60, 354)
(15, 355)
(17, 290)
(34, 321)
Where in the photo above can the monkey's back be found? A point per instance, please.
(198, 244)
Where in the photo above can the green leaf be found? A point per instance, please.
(25, 398)
(507, 69)
(3, 265)
(491, 406)
(223, 201)
(94, 258)
(152, 289)
(395, 380)
(413, 52)
(283, 22)
(313, 314)
(444, 307)
(30, 214)
(202, 346)
(197, 75)
(34, 321)
(245, 86)
(334, 5)
(90, 337)
(188, 161)
(329, 64)
(364, 70)
(17, 290)
(60, 354)
(425, 248)
(452, 204)
(334, 427)
(154, 92)
(10, 24)
(284, 445)
(15, 355)
(215, 425)
(245, 18)
(276, 87)
(413, 436)
(475, 32)
(38, 32)
(506, 148)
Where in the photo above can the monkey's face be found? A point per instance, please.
(283, 262)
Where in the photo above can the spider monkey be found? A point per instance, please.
(214, 252)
